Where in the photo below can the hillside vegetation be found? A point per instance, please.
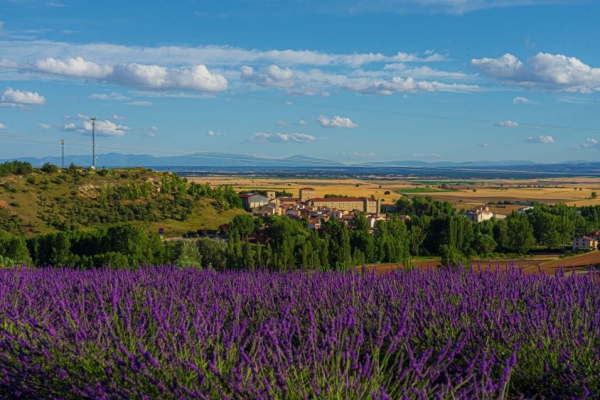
(46, 200)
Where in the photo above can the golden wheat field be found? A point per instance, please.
(463, 194)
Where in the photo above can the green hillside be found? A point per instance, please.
(38, 201)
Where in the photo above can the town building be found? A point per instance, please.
(307, 194)
(250, 201)
(362, 204)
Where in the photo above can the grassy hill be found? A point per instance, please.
(51, 199)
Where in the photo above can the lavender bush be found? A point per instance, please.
(165, 332)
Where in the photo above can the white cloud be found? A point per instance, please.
(271, 76)
(76, 67)
(336, 122)
(281, 123)
(522, 100)
(197, 77)
(109, 96)
(2, 126)
(18, 97)
(423, 72)
(209, 55)
(589, 143)
(302, 122)
(143, 103)
(506, 124)
(408, 85)
(543, 139)
(282, 138)
(44, 126)
(117, 117)
(289, 103)
(102, 128)
(553, 72)
(575, 100)
(213, 133)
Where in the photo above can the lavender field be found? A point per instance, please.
(166, 333)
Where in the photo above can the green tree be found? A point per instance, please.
(484, 244)
(243, 224)
(451, 257)
(519, 233)
(49, 168)
(188, 254)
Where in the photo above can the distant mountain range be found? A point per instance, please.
(224, 160)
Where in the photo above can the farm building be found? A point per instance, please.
(585, 242)
(479, 214)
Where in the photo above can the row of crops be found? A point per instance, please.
(163, 332)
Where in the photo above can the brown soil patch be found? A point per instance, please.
(3, 204)
(548, 264)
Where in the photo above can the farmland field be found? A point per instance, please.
(168, 333)
(464, 194)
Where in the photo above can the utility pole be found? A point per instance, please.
(62, 143)
(93, 119)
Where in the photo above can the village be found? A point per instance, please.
(318, 210)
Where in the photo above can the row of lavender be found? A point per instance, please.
(181, 333)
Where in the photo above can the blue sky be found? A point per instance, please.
(351, 80)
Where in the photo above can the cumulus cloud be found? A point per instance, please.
(542, 139)
(76, 67)
(282, 138)
(521, 100)
(197, 77)
(589, 143)
(18, 97)
(506, 124)
(102, 128)
(408, 85)
(117, 117)
(213, 133)
(44, 126)
(271, 76)
(336, 122)
(553, 72)
(289, 103)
